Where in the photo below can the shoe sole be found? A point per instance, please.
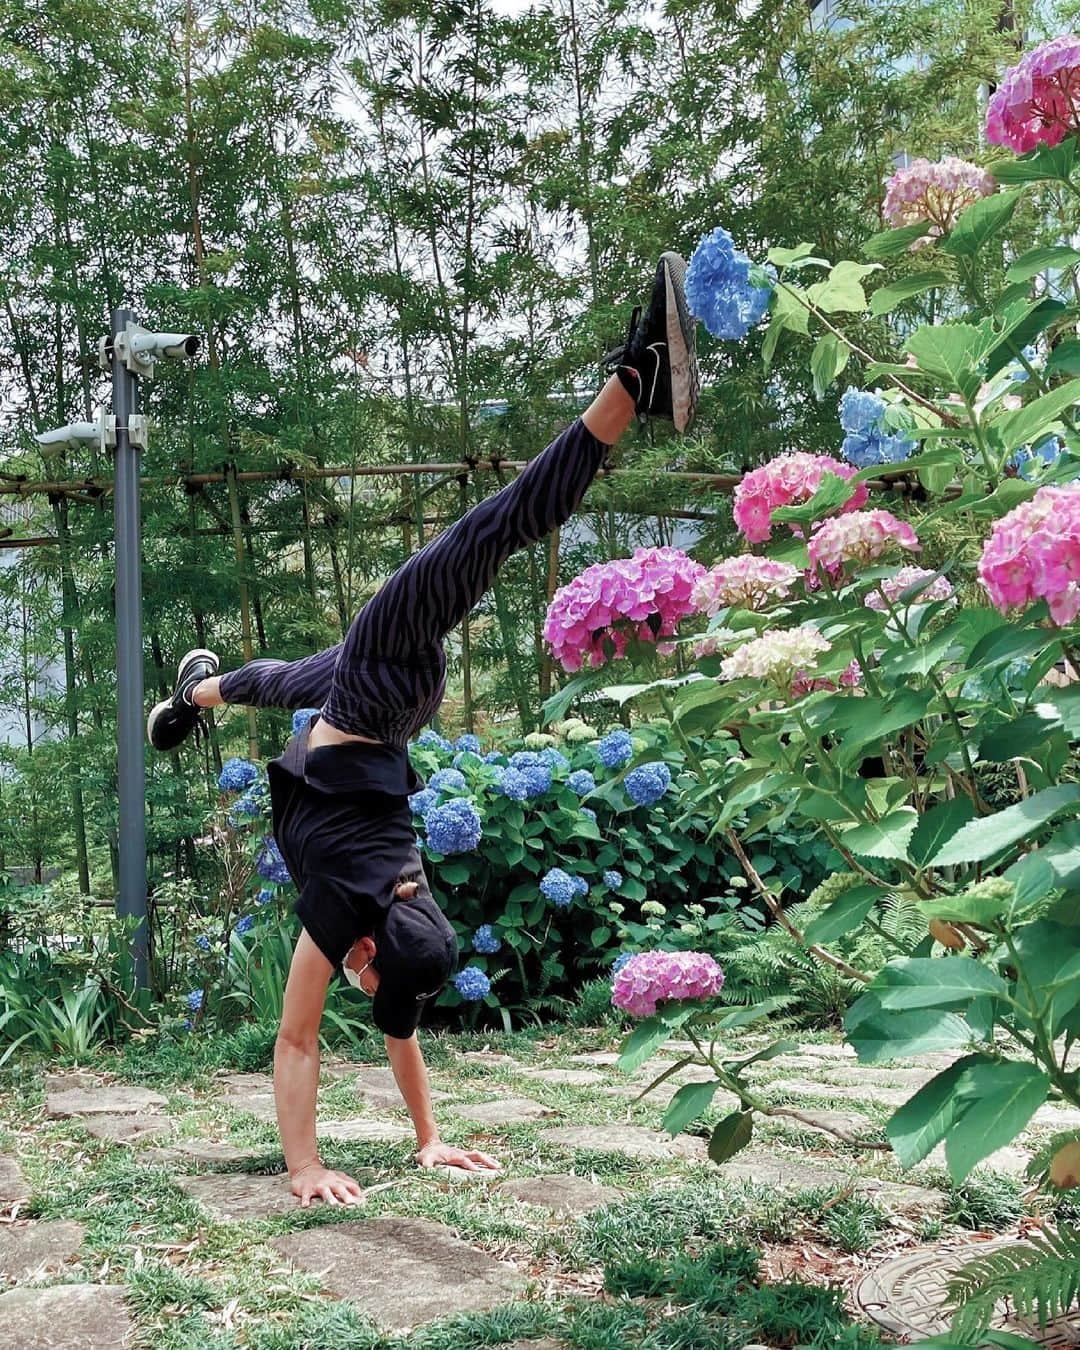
(200, 653)
(681, 340)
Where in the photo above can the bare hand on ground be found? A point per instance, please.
(469, 1160)
(316, 1182)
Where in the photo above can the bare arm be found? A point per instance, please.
(410, 1074)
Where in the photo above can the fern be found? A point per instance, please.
(1041, 1279)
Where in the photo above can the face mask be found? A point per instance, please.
(353, 976)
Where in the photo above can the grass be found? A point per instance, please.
(195, 1283)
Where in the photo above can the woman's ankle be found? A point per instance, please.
(207, 693)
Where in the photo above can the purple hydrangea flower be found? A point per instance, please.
(194, 999)
(554, 759)
(420, 803)
(245, 924)
(646, 784)
(264, 896)
(202, 942)
(472, 984)
(468, 742)
(494, 757)
(270, 865)
(237, 774)
(432, 738)
(453, 827)
(651, 978)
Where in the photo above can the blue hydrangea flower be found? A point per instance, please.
(615, 749)
(247, 806)
(486, 940)
(861, 411)
(588, 811)
(987, 687)
(194, 999)
(203, 942)
(472, 984)
(582, 782)
(302, 717)
(188, 1024)
(554, 759)
(420, 803)
(581, 886)
(648, 782)
(494, 757)
(522, 784)
(1030, 461)
(467, 741)
(270, 865)
(264, 896)
(246, 924)
(237, 774)
(560, 887)
(724, 289)
(620, 961)
(453, 827)
(432, 738)
(612, 879)
(447, 780)
(1018, 374)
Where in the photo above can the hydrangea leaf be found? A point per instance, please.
(918, 1126)
(732, 1134)
(893, 243)
(1000, 1100)
(886, 298)
(689, 1103)
(985, 838)
(917, 982)
(1024, 426)
(1016, 739)
(827, 361)
(844, 915)
(937, 826)
(980, 222)
(880, 1036)
(648, 1036)
(842, 291)
(1047, 162)
(1037, 260)
(885, 838)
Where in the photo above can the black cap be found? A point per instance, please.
(416, 951)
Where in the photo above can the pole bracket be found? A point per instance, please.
(138, 429)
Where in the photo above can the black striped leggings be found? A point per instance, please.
(387, 679)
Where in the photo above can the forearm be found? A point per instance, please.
(296, 1086)
(410, 1074)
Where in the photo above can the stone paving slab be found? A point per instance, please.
(376, 1086)
(563, 1192)
(247, 1082)
(401, 1272)
(597, 1058)
(14, 1189)
(506, 1111)
(203, 1152)
(237, 1196)
(495, 1058)
(632, 1140)
(910, 1080)
(65, 1317)
(835, 1124)
(548, 1343)
(899, 1198)
(851, 1092)
(116, 1099)
(257, 1104)
(569, 1077)
(826, 1051)
(1011, 1160)
(126, 1129)
(38, 1247)
(64, 1079)
(365, 1131)
(1054, 1117)
(783, 1172)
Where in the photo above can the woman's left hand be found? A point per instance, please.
(469, 1160)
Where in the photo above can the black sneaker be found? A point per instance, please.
(658, 365)
(172, 721)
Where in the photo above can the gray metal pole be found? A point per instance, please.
(131, 764)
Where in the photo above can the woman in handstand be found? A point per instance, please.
(339, 793)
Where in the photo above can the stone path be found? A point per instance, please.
(65, 1317)
(13, 1187)
(30, 1248)
(401, 1272)
(564, 1193)
(633, 1140)
(108, 1100)
(505, 1111)
(236, 1196)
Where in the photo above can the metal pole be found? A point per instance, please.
(131, 764)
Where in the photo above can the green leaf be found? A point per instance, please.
(920, 660)
(1018, 738)
(986, 837)
(1023, 426)
(844, 914)
(784, 257)
(980, 222)
(951, 351)
(1038, 260)
(733, 1133)
(964, 909)
(1065, 358)
(1000, 1100)
(789, 314)
(555, 707)
(687, 1104)
(827, 360)
(859, 722)
(1003, 644)
(937, 826)
(648, 1036)
(1066, 703)
(885, 838)
(1041, 164)
(918, 1126)
(879, 1036)
(1038, 317)
(842, 288)
(833, 491)
(908, 982)
(886, 298)
(891, 243)
(743, 1016)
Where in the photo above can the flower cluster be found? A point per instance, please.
(453, 827)
(652, 978)
(594, 616)
(859, 537)
(486, 940)
(1038, 99)
(237, 774)
(938, 588)
(576, 731)
(780, 655)
(194, 999)
(527, 775)
(472, 984)
(420, 803)
(263, 895)
(302, 717)
(786, 480)
(248, 806)
(468, 743)
(432, 738)
(615, 750)
(561, 888)
(270, 865)
(447, 780)
(868, 440)
(803, 683)
(1033, 553)
(1030, 461)
(620, 961)
(744, 580)
(724, 289)
(245, 924)
(935, 192)
(646, 784)
(612, 879)
(581, 781)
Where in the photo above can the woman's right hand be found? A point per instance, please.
(316, 1182)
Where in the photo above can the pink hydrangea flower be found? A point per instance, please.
(1038, 99)
(780, 655)
(804, 683)
(744, 580)
(859, 537)
(786, 480)
(641, 597)
(651, 978)
(1033, 553)
(903, 580)
(934, 192)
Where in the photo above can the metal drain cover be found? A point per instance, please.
(908, 1296)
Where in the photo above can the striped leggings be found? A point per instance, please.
(387, 679)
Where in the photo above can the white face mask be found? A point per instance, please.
(353, 976)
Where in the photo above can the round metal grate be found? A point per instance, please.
(908, 1296)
